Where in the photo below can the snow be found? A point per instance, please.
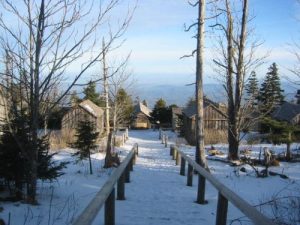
(157, 194)
(89, 108)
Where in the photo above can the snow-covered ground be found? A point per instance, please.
(157, 193)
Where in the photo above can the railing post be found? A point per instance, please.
(222, 208)
(163, 139)
(177, 158)
(190, 176)
(159, 134)
(182, 166)
(127, 174)
(131, 164)
(121, 188)
(109, 214)
(172, 150)
(166, 141)
(137, 149)
(201, 190)
(134, 158)
(126, 132)
(174, 153)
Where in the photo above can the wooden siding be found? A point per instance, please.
(71, 119)
(141, 121)
(213, 120)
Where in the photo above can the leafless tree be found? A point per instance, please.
(120, 81)
(44, 39)
(236, 59)
(200, 36)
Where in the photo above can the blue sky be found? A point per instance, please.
(157, 39)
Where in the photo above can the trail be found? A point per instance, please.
(157, 193)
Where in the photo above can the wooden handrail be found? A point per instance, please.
(225, 193)
(108, 189)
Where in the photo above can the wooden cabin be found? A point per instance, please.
(215, 119)
(86, 110)
(288, 112)
(141, 117)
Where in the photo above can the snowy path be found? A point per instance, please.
(157, 193)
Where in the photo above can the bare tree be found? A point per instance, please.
(44, 41)
(200, 151)
(236, 59)
(200, 36)
(119, 84)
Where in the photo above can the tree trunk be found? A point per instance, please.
(35, 106)
(235, 97)
(105, 83)
(200, 151)
(108, 156)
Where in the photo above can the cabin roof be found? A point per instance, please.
(140, 107)
(286, 112)
(91, 108)
(191, 110)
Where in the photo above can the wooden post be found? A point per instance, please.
(166, 141)
(109, 213)
(172, 150)
(190, 176)
(134, 158)
(131, 164)
(201, 190)
(174, 154)
(177, 158)
(163, 139)
(222, 208)
(121, 188)
(127, 174)
(182, 166)
(137, 150)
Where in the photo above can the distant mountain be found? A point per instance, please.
(179, 94)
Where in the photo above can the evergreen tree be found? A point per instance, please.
(160, 103)
(270, 93)
(252, 89)
(15, 144)
(282, 132)
(162, 113)
(91, 94)
(86, 140)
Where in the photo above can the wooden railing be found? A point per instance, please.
(225, 194)
(106, 196)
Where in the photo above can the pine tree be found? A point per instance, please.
(15, 144)
(252, 89)
(270, 93)
(282, 132)
(86, 140)
(161, 112)
(91, 94)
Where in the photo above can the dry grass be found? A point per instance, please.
(212, 137)
(61, 139)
